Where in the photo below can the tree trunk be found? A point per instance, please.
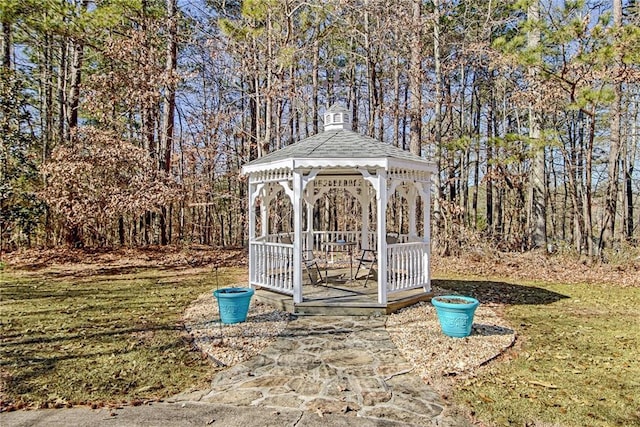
(6, 45)
(315, 88)
(47, 95)
(630, 159)
(489, 178)
(169, 102)
(437, 208)
(537, 205)
(74, 90)
(396, 102)
(582, 234)
(76, 79)
(628, 232)
(168, 109)
(477, 118)
(415, 78)
(608, 227)
(121, 235)
(587, 198)
(268, 97)
(370, 67)
(253, 122)
(293, 112)
(258, 103)
(6, 66)
(353, 99)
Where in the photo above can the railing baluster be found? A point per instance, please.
(278, 263)
(290, 269)
(406, 254)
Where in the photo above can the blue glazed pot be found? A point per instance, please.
(233, 304)
(456, 318)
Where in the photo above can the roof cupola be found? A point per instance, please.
(337, 118)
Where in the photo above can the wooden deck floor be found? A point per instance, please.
(340, 296)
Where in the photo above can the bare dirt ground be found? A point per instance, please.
(530, 266)
(83, 263)
(541, 267)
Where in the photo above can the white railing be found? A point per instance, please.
(322, 237)
(317, 239)
(272, 266)
(272, 262)
(407, 266)
(273, 238)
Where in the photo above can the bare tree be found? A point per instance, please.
(537, 208)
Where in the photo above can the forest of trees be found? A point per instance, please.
(126, 122)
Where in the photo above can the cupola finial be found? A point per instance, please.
(337, 118)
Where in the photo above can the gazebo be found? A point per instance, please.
(296, 177)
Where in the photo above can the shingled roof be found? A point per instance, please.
(339, 143)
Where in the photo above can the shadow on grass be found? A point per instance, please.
(488, 330)
(81, 336)
(487, 291)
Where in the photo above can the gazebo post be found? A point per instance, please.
(264, 212)
(297, 239)
(411, 199)
(252, 231)
(364, 207)
(426, 223)
(309, 202)
(381, 218)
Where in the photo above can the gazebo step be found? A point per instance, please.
(402, 302)
(274, 299)
(351, 305)
(338, 310)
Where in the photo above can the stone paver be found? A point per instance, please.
(344, 366)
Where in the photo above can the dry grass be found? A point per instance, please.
(70, 338)
(622, 271)
(576, 363)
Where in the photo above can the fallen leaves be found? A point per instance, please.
(535, 266)
(543, 384)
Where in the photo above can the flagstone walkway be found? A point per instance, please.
(345, 366)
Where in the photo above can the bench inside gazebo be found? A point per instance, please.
(339, 191)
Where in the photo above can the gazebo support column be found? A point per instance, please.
(425, 193)
(309, 201)
(309, 231)
(297, 240)
(381, 216)
(264, 213)
(364, 230)
(307, 187)
(252, 231)
(412, 202)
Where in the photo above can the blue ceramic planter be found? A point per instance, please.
(233, 304)
(456, 318)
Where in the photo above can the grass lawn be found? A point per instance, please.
(577, 362)
(99, 338)
(114, 335)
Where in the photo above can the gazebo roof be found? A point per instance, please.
(338, 146)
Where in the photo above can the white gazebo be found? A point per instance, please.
(292, 180)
